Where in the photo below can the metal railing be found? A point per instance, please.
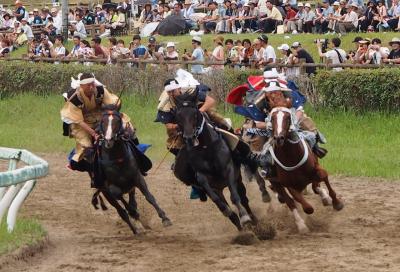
(17, 183)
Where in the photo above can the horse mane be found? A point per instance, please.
(110, 107)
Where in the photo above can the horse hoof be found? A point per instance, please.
(308, 210)
(266, 198)
(303, 229)
(326, 201)
(338, 205)
(167, 223)
(245, 220)
(138, 227)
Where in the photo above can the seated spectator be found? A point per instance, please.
(246, 54)
(27, 29)
(394, 56)
(5, 48)
(167, 11)
(209, 22)
(122, 51)
(100, 15)
(146, 16)
(197, 55)
(232, 23)
(249, 17)
(300, 53)
(362, 52)
(225, 14)
(232, 58)
(138, 51)
(368, 20)
(334, 17)
(78, 29)
(269, 55)
(218, 53)
(37, 19)
(348, 22)
(309, 16)
(258, 54)
(394, 12)
(89, 18)
(290, 18)
(34, 48)
(382, 15)
(45, 48)
(268, 22)
(171, 54)
(85, 52)
(322, 17)
(45, 15)
(383, 51)
(287, 59)
(156, 51)
(77, 44)
(187, 12)
(58, 50)
(297, 26)
(7, 22)
(98, 51)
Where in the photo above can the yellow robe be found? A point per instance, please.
(90, 113)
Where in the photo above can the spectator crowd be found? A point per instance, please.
(18, 27)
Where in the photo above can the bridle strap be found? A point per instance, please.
(200, 128)
(291, 168)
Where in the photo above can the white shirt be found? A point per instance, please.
(60, 51)
(58, 22)
(28, 31)
(80, 27)
(352, 17)
(334, 57)
(269, 53)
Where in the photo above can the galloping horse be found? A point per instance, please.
(206, 161)
(119, 163)
(296, 164)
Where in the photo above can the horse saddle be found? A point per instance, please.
(231, 139)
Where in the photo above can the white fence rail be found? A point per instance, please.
(17, 183)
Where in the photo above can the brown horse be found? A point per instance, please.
(296, 164)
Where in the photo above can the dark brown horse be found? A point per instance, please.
(296, 164)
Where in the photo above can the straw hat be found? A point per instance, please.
(170, 44)
(196, 39)
(219, 39)
(336, 3)
(394, 40)
(187, 2)
(307, 5)
(354, 5)
(284, 47)
(296, 44)
(300, 5)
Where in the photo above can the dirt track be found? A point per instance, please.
(363, 237)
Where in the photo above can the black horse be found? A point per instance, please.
(206, 161)
(119, 164)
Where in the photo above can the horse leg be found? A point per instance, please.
(121, 211)
(131, 207)
(235, 198)
(326, 200)
(301, 225)
(141, 184)
(218, 200)
(245, 201)
(336, 203)
(261, 185)
(298, 196)
(233, 217)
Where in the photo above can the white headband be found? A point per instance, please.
(87, 80)
(171, 86)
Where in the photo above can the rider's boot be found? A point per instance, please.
(197, 193)
(84, 166)
(319, 151)
(253, 160)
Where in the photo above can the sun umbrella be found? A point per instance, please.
(171, 25)
(110, 5)
(148, 29)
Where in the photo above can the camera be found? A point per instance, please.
(324, 44)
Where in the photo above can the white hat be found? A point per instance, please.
(35, 10)
(336, 3)
(296, 44)
(99, 6)
(170, 44)
(284, 47)
(246, 5)
(271, 74)
(300, 5)
(197, 39)
(354, 5)
(307, 5)
(53, 10)
(394, 40)
(173, 85)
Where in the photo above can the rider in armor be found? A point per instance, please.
(185, 83)
(81, 115)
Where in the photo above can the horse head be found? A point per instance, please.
(281, 120)
(188, 117)
(111, 127)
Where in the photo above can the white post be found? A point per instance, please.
(16, 204)
(64, 12)
(12, 165)
(8, 198)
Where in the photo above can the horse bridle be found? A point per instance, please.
(291, 129)
(117, 115)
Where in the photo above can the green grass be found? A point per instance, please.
(359, 145)
(26, 232)
(184, 41)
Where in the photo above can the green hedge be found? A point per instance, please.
(361, 90)
(358, 90)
